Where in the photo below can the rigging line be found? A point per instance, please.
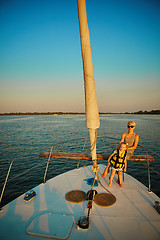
(109, 137)
(28, 170)
(105, 145)
(47, 164)
(104, 186)
(138, 145)
(84, 144)
(147, 167)
(40, 164)
(40, 149)
(103, 142)
(149, 150)
(5, 181)
(82, 151)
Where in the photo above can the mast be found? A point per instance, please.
(91, 105)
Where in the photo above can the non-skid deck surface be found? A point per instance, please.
(132, 216)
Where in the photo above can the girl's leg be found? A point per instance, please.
(106, 170)
(120, 178)
(111, 177)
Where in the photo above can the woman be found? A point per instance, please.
(130, 138)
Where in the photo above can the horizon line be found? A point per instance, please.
(67, 113)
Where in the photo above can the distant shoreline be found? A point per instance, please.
(75, 113)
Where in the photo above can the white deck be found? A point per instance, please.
(133, 216)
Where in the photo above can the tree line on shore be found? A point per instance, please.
(78, 113)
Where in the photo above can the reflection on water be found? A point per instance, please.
(19, 137)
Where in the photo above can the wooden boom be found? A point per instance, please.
(85, 156)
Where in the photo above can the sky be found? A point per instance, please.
(40, 55)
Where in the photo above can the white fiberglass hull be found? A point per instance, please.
(49, 214)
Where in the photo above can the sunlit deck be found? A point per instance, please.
(49, 214)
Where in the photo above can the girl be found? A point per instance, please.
(117, 161)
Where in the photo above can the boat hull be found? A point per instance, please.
(50, 215)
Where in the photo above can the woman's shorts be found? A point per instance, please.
(129, 153)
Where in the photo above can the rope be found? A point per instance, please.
(94, 181)
(82, 151)
(103, 142)
(97, 175)
(104, 187)
(95, 167)
(6, 181)
(94, 143)
(89, 205)
(44, 180)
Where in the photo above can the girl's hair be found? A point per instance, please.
(123, 144)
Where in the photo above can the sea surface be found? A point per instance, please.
(23, 135)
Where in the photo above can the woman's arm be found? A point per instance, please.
(125, 166)
(122, 138)
(135, 143)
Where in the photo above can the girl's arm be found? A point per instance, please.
(110, 156)
(107, 167)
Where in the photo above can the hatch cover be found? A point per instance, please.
(51, 225)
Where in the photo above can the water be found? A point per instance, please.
(20, 135)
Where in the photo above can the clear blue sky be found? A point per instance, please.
(41, 63)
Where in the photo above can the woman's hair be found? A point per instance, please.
(131, 123)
